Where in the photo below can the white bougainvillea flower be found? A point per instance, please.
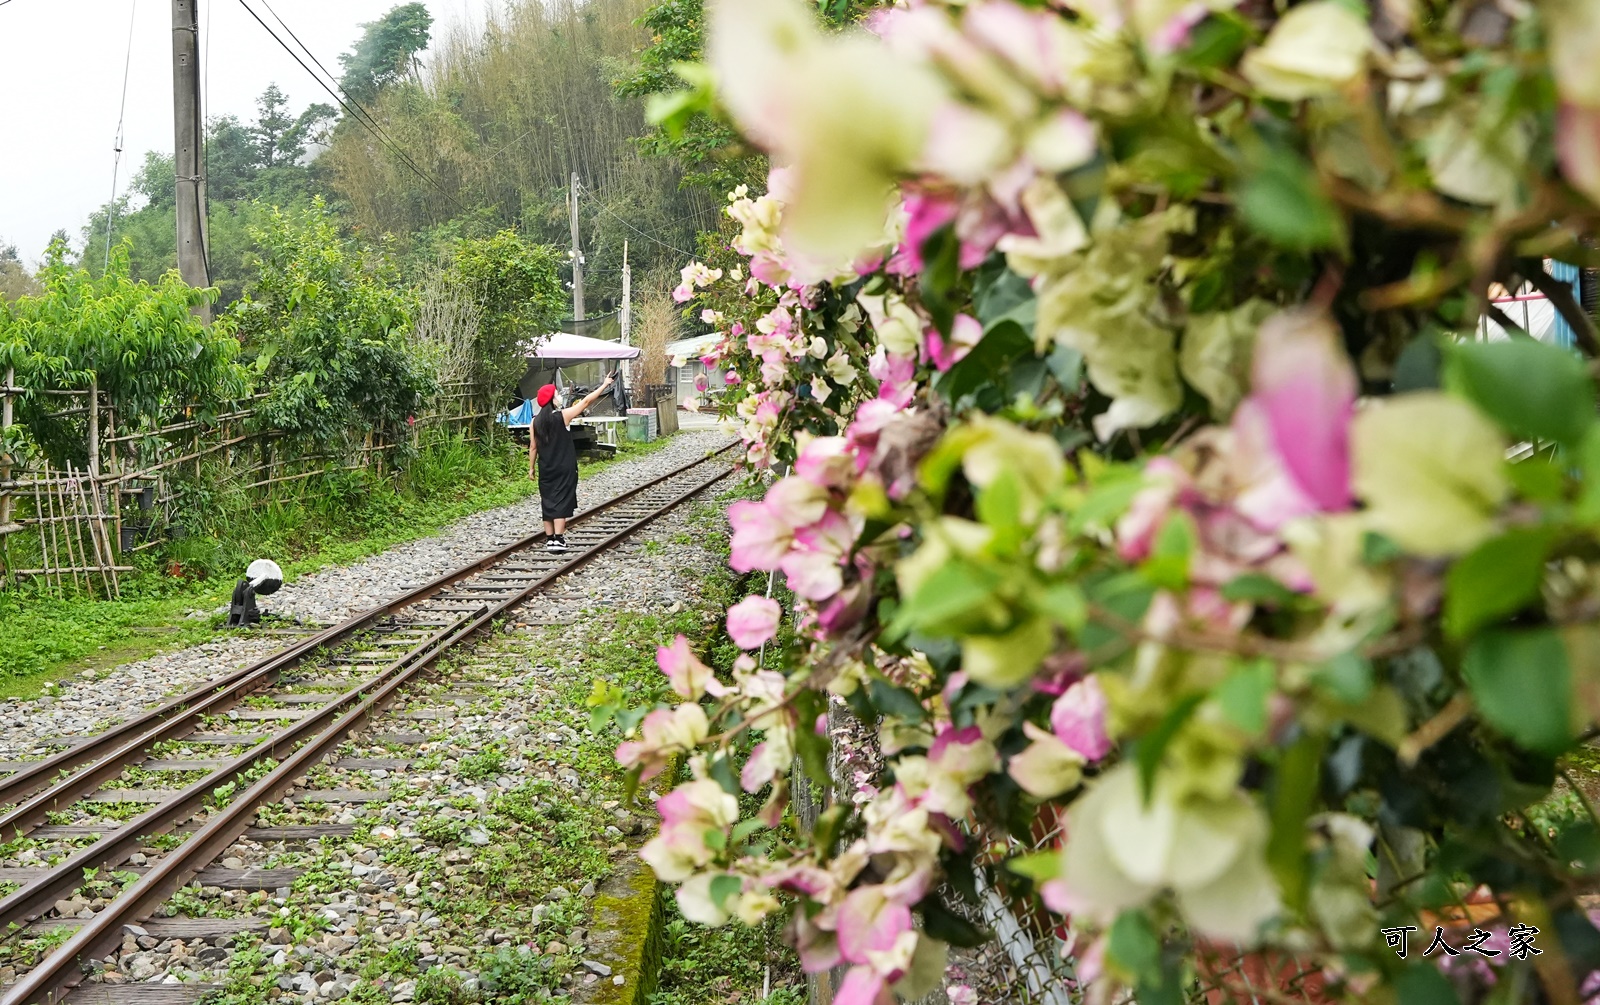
(1217, 351)
(1578, 148)
(1033, 461)
(1431, 469)
(752, 622)
(1121, 851)
(1573, 34)
(1047, 767)
(695, 900)
(1314, 49)
(897, 326)
(663, 733)
(846, 114)
(687, 813)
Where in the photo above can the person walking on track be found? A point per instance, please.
(550, 442)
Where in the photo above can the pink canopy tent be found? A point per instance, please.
(560, 349)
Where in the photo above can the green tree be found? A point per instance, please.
(326, 328)
(710, 151)
(15, 279)
(150, 356)
(517, 286)
(387, 51)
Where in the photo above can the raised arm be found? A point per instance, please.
(573, 411)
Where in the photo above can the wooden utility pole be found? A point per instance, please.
(192, 263)
(577, 253)
(627, 297)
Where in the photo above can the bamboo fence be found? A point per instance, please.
(72, 528)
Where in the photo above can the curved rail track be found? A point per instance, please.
(369, 658)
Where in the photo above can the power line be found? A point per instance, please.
(370, 126)
(606, 210)
(122, 115)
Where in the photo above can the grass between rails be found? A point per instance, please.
(345, 518)
(549, 798)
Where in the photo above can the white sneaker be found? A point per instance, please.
(557, 543)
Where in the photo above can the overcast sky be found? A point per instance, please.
(61, 69)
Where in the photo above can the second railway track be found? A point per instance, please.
(357, 668)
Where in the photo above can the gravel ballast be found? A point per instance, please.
(95, 700)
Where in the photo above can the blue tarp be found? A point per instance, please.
(518, 418)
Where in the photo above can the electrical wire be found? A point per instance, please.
(393, 147)
(122, 115)
(606, 210)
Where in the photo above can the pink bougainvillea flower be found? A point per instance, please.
(926, 214)
(812, 566)
(797, 501)
(760, 540)
(1078, 717)
(682, 293)
(752, 622)
(827, 462)
(863, 986)
(965, 332)
(870, 922)
(690, 678)
(1305, 386)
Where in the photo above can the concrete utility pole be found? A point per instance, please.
(627, 298)
(577, 253)
(192, 263)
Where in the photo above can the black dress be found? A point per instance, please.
(558, 465)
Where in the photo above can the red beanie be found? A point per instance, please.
(545, 394)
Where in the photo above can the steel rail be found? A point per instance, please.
(107, 753)
(61, 970)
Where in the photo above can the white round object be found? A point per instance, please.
(264, 575)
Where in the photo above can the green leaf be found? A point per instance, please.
(1532, 389)
(1588, 507)
(723, 887)
(1000, 295)
(947, 926)
(1347, 677)
(1537, 479)
(1283, 202)
(1424, 984)
(1107, 501)
(1168, 564)
(1243, 696)
(1065, 604)
(1522, 683)
(1496, 579)
(1039, 867)
(1153, 745)
(1418, 367)
(956, 590)
(745, 828)
(896, 701)
(715, 838)
(1217, 41)
(1294, 791)
(1133, 948)
(1256, 588)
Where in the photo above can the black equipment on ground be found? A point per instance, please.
(262, 578)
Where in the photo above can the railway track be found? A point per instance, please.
(357, 668)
